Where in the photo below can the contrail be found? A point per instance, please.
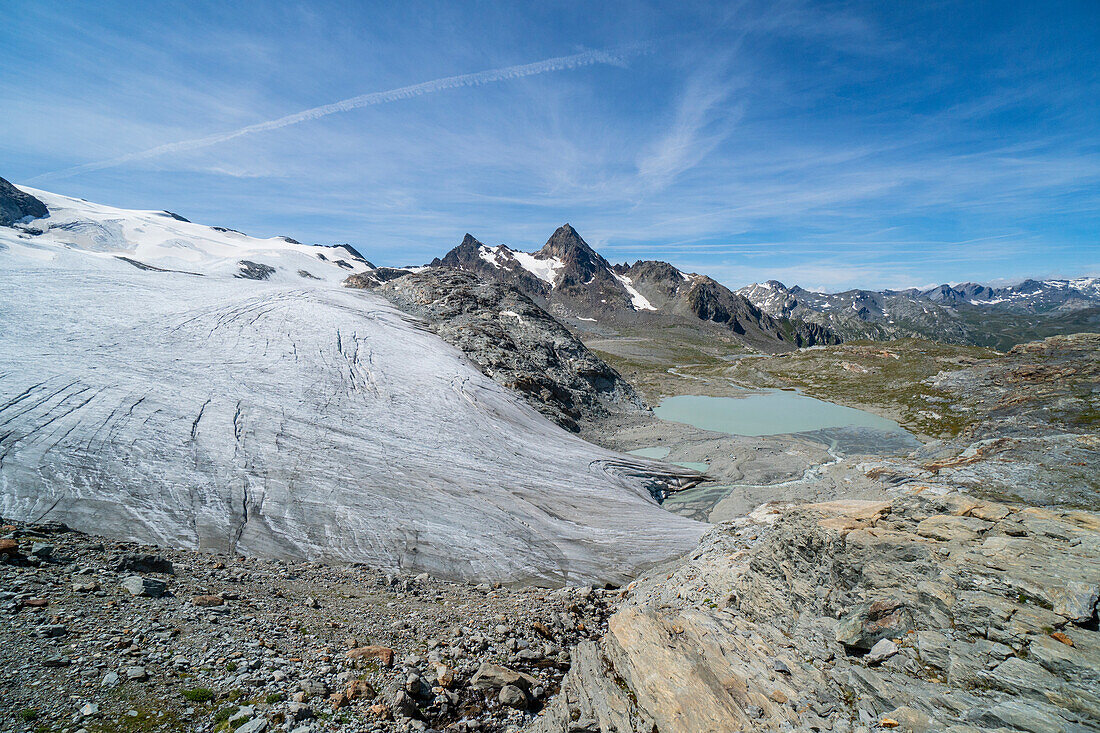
(561, 63)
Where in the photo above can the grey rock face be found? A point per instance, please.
(965, 627)
(16, 205)
(515, 342)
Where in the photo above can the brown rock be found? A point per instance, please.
(367, 653)
(9, 548)
(1059, 636)
(207, 601)
(491, 676)
(338, 700)
(444, 675)
(360, 690)
(36, 603)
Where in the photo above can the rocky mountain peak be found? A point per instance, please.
(568, 246)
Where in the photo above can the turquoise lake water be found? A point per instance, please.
(774, 412)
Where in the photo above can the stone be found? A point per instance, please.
(946, 528)
(89, 709)
(136, 673)
(512, 697)
(360, 690)
(910, 720)
(402, 704)
(870, 622)
(137, 585)
(9, 548)
(256, 725)
(881, 651)
(143, 563)
(42, 550)
(110, 679)
(56, 661)
(85, 586)
(207, 601)
(50, 631)
(1075, 600)
(491, 676)
(382, 654)
(933, 648)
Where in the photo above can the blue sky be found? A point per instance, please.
(830, 145)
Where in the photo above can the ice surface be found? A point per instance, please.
(288, 418)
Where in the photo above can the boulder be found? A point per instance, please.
(137, 585)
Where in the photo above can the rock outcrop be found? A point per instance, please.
(922, 613)
(16, 205)
(516, 343)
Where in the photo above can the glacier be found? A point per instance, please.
(148, 392)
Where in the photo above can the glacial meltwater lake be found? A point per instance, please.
(772, 412)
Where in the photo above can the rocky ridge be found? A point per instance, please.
(576, 284)
(963, 314)
(515, 342)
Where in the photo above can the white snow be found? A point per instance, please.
(491, 255)
(637, 300)
(544, 269)
(590, 320)
(513, 314)
(288, 418)
(155, 238)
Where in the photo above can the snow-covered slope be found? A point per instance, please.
(283, 417)
(167, 241)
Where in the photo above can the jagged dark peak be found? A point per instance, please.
(568, 246)
(16, 205)
(463, 253)
(775, 284)
(469, 241)
(1027, 286)
(652, 269)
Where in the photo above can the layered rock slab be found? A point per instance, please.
(846, 616)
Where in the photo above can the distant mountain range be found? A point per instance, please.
(968, 313)
(576, 284)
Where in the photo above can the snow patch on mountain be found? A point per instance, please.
(544, 269)
(637, 300)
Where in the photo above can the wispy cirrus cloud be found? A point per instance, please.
(561, 63)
